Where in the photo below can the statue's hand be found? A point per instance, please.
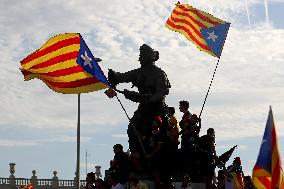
(112, 78)
(132, 95)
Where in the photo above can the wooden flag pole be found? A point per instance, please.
(78, 147)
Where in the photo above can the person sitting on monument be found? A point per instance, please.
(113, 180)
(173, 128)
(236, 165)
(194, 129)
(183, 107)
(221, 180)
(121, 163)
(248, 182)
(190, 133)
(153, 86)
(100, 184)
(207, 156)
(236, 168)
(184, 123)
(90, 180)
(155, 155)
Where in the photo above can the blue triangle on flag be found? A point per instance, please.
(91, 66)
(215, 37)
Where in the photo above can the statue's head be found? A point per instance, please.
(147, 55)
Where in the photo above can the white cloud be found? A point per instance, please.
(65, 139)
(18, 143)
(248, 60)
(119, 135)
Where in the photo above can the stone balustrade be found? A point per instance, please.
(53, 183)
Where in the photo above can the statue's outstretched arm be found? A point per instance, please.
(117, 77)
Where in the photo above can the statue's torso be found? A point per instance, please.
(150, 79)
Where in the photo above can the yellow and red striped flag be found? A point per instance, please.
(66, 65)
(207, 32)
(267, 172)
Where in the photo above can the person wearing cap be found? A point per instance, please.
(153, 86)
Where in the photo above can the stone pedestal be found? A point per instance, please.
(34, 179)
(55, 181)
(12, 177)
(98, 172)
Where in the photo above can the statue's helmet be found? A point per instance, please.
(147, 54)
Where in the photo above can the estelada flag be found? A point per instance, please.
(267, 172)
(66, 65)
(207, 32)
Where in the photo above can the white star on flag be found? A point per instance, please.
(212, 36)
(87, 60)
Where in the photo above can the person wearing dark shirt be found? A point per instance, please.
(185, 124)
(207, 156)
(121, 163)
(248, 183)
(183, 107)
(155, 154)
(90, 180)
(221, 180)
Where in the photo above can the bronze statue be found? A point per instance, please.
(153, 86)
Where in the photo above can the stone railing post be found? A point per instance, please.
(98, 172)
(55, 181)
(12, 177)
(75, 180)
(34, 179)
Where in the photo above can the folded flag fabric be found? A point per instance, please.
(267, 172)
(207, 32)
(66, 65)
(110, 93)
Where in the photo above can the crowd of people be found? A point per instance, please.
(161, 148)
(172, 151)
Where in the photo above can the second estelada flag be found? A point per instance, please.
(267, 172)
(207, 32)
(66, 65)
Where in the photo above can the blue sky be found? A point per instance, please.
(38, 126)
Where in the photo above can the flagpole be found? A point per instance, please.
(213, 74)
(209, 87)
(78, 147)
(131, 124)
